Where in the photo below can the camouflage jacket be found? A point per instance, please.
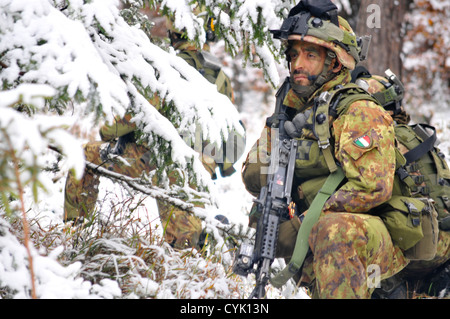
(364, 146)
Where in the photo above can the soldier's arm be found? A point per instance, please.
(365, 144)
(254, 173)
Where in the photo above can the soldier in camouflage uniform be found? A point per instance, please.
(181, 228)
(347, 239)
(80, 196)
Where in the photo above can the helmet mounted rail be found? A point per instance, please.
(318, 22)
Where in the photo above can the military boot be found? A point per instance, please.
(391, 288)
(438, 283)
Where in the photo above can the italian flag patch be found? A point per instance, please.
(363, 141)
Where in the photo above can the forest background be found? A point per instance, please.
(66, 67)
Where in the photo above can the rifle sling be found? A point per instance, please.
(312, 216)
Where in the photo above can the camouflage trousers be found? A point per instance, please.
(182, 229)
(351, 254)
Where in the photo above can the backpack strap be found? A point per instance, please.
(347, 95)
(403, 168)
(334, 103)
(423, 148)
(321, 128)
(360, 72)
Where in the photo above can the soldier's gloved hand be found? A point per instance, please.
(294, 128)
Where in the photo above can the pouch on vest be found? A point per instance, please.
(308, 190)
(413, 226)
(309, 161)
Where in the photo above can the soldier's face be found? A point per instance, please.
(307, 59)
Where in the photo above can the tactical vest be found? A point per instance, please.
(315, 156)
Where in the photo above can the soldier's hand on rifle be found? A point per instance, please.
(294, 128)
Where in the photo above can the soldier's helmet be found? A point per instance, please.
(176, 35)
(317, 21)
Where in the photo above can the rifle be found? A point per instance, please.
(273, 203)
(122, 143)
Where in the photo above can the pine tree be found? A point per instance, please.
(426, 59)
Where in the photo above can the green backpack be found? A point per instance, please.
(423, 175)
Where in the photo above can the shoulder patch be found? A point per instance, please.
(364, 141)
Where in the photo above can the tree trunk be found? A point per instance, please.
(383, 20)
